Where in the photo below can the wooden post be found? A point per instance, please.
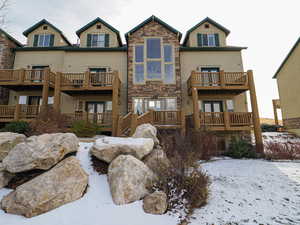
(226, 120)
(183, 126)
(21, 75)
(87, 79)
(45, 87)
(275, 112)
(119, 131)
(255, 114)
(17, 114)
(222, 78)
(151, 111)
(133, 123)
(57, 91)
(115, 104)
(196, 108)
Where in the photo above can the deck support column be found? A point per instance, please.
(226, 120)
(222, 78)
(255, 114)
(196, 108)
(17, 112)
(57, 92)
(275, 112)
(115, 103)
(45, 94)
(21, 75)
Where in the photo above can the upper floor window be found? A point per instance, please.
(98, 40)
(208, 40)
(154, 60)
(43, 40)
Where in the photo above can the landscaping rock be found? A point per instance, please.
(8, 141)
(40, 152)
(157, 160)
(128, 179)
(108, 148)
(64, 183)
(155, 203)
(146, 130)
(5, 177)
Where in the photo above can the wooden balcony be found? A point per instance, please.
(218, 81)
(88, 81)
(16, 79)
(221, 121)
(10, 113)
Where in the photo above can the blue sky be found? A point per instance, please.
(268, 28)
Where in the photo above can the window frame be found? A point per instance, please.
(98, 34)
(44, 35)
(146, 107)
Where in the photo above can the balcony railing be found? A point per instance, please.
(218, 80)
(18, 112)
(104, 118)
(225, 120)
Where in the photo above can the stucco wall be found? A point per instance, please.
(193, 41)
(58, 40)
(230, 61)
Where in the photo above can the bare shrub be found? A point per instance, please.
(283, 151)
(185, 184)
(99, 166)
(49, 121)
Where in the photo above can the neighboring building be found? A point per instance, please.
(288, 81)
(153, 76)
(7, 43)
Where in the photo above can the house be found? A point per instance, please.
(288, 81)
(152, 78)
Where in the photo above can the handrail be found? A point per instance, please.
(167, 117)
(220, 118)
(124, 123)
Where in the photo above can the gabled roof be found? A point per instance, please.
(156, 19)
(99, 20)
(206, 20)
(287, 57)
(42, 22)
(11, 38)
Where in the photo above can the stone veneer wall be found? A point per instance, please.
(153, 88)
(6, 62)
(292, 123)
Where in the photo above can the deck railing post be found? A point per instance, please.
(222, 78)
(226, 120)
(45, 93)
(115, 104)
(196, 108)
(17, 114)
(87, 79)
(255, 113)
(21, 75)
(57, 91)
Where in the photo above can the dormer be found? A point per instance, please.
(207, 33)
(99, 34)
(45, 34)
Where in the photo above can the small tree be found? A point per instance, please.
(3, 11)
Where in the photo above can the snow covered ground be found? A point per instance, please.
(242, 191)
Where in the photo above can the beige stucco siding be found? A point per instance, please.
(288, 81)
(193, 41)
(58, 40)
(230, 61)
(113, 41)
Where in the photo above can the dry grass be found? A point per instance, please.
(282, 151)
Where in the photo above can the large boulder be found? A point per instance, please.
(155, 203)
(8, 141)
(64, 183)
(40, 152)
(108, 148)
(157, 160)
(5, 176)
(146, 130)
(129, 179)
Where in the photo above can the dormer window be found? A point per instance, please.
(43, 40)
(208, 40)
(98, 26)
(98, 40)
(45, 27)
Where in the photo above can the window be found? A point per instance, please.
(210, 76)
(43, 40)
(213, 106)
(230, 105)
(208, 40)
(142, 105)
(98, 40)
(154, 61)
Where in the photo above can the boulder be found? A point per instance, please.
(128, 179)
(108, 148)
(155, 203)
(40, 152)
(8, 141)
(157, 160)
(64, 183)
(146, 130)
(5, 176)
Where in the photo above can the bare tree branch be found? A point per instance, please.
(3, 10)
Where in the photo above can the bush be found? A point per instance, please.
(21, 127)
(185, 184)
(282, 151)
(49, 121)
(270, 128)
(84, 129)
(240, 148)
